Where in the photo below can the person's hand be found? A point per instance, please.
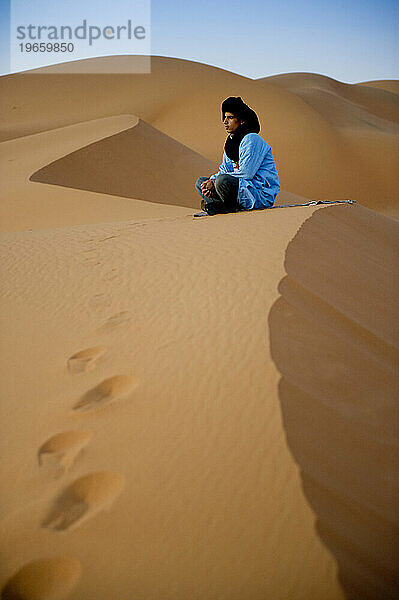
(208, 188)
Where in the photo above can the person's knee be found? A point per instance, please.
(221, 179)
(225, 182)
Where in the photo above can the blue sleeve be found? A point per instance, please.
(225, 167)
(252, 153)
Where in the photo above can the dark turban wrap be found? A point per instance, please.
(237, 106)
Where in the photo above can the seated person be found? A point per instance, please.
(247, 177)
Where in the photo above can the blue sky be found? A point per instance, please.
(351, 40)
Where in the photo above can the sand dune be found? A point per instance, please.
(29, 204)
(140, 162)
(212, 501)
(367, 119)
(391, 85)
(337, 348)
(212, 504)
(315, 156)
(196, 408)
(99, 171)
(316, 89)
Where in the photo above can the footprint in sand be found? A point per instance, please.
(61, 450)
(116, 320)
(82, 500)
(45, 579)
(85, 360)
(106, 392)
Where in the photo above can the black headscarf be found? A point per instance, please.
(237, 106)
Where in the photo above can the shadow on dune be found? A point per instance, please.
(141, 163)
(334, 341)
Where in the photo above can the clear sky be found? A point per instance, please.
(350, 40)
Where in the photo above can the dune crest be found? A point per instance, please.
(140, 162)
(335, 342)
(32, 205)
(391, 85)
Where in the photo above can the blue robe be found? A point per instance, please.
(256, 166)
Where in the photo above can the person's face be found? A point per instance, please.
(231, 122)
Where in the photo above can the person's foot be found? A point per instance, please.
(207, 207)
(213, 207)
(203, 213)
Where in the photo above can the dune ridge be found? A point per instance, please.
(135, 163)
(32, 205)
(392, 85)
(339, 388)
(321, 91)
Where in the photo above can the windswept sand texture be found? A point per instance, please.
(196, 408)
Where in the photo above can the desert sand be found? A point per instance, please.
(197, 408)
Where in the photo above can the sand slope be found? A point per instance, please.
(149, 387)
(361, 101)
(367, 120)
(140, 162)
(193, 492)
(392, 85)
